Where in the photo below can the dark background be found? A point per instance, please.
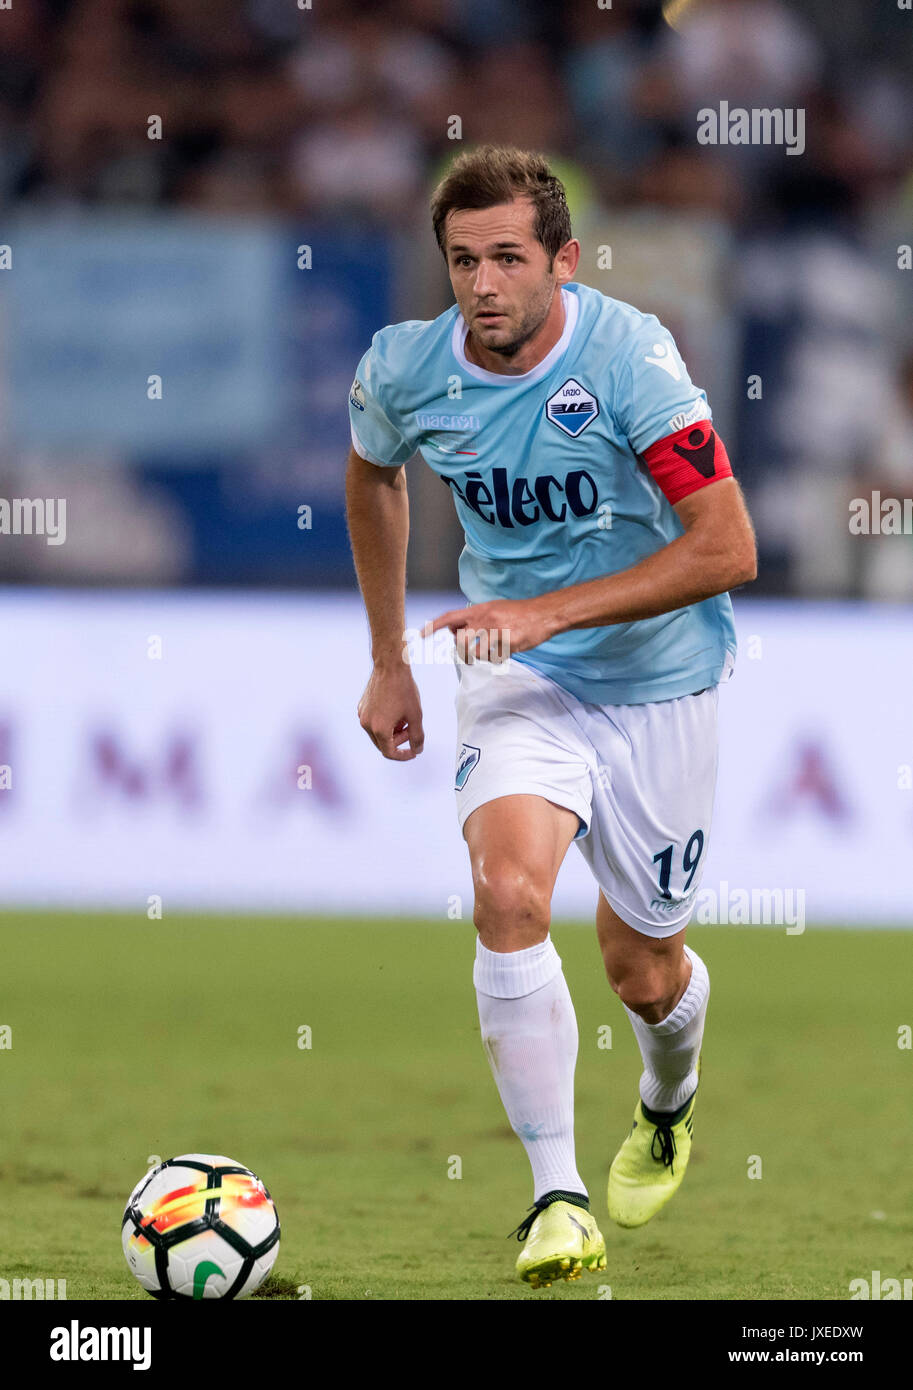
(283, 127)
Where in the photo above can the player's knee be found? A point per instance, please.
(510, 906)
(648, 993)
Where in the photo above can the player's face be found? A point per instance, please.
(502, 279)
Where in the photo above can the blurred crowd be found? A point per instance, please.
(341, 109)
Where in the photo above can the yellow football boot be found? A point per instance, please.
(561, 1240)
(649, 1167)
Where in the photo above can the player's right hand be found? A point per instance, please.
(390, 712)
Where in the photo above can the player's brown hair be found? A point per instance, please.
(495, 174)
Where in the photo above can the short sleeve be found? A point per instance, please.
(375, 435)
(658, 397)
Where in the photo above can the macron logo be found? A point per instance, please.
(664, 357)
(427, 421)
(74, 1343)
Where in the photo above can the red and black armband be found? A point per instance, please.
(687, 460)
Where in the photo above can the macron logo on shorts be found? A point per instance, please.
(466, 761)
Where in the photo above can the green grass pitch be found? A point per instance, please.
(132, 1038)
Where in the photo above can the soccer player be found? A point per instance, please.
(603, 528)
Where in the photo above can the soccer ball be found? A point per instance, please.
(200, 1226)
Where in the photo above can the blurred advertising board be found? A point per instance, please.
(203, 751)
(209, 359)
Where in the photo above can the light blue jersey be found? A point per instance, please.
(545, 474)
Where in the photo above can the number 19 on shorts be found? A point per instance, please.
(666, 859)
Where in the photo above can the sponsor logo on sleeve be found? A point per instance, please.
(699, 411)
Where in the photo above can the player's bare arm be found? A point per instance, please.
(716, 553)
(377, 508)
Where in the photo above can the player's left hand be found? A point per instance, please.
(494, 631)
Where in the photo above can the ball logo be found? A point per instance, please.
(572, 408)
(201, 1274)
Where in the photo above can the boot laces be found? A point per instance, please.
(665, 1138)
(526, 1224)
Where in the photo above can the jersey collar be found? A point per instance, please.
(541, 369)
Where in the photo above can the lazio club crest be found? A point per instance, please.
(572, 408)
(466, 760)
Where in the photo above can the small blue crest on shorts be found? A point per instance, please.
(466, 761)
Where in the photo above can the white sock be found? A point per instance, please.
(529, 1031)
(670, 1049)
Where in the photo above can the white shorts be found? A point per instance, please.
(641, 779)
